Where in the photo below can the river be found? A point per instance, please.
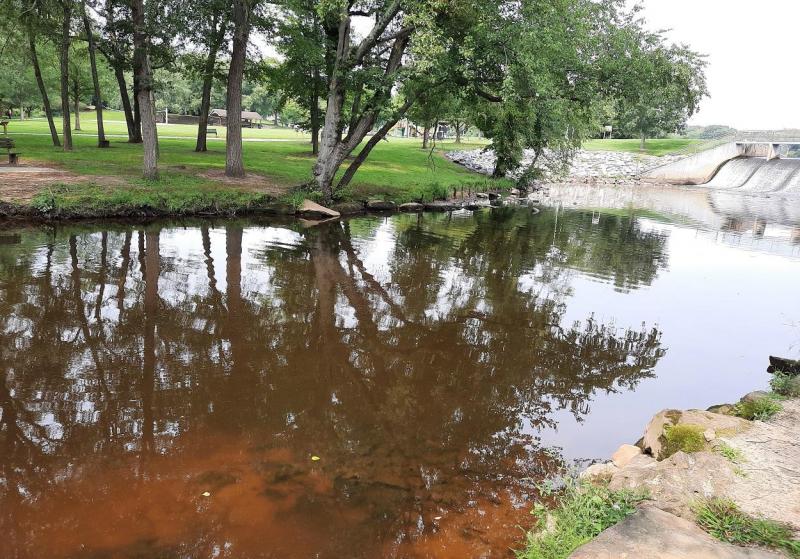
(383, 386)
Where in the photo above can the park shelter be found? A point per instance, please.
(249, 118)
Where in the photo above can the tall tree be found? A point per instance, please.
(242, 13)
(114, 44)
(302, 74)
(663, 87)
(211, 31)
(65, 40)
(144, 91)
(98, 98)
(368, 70)
(33, 17)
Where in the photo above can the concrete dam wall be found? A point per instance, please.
(759, 175)
(702, 167)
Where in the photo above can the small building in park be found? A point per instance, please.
(250, 119)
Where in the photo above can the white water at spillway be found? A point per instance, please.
(757, 175)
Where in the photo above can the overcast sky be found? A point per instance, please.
(753, 77)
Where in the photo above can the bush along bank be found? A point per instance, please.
(709, 483)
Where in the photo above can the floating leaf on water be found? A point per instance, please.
(206, 494)
(315, 458)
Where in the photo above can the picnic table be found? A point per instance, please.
(9, 145)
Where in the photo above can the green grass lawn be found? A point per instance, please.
(114, 125)
(659, 146)
(109, 179)
(397, 169)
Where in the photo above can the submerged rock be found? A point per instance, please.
(439, 206)
(412, 207)
(650, 533)
(381, 205)
(348, 208)
(279, 208)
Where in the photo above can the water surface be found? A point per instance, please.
(380, 387)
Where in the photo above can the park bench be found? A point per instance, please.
(211, 131)
(9, 145)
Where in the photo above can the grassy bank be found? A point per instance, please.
(106, 182)
(660, 146)
(278, 160)
(582, 510)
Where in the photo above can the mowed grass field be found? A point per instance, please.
(658, 146)
(114, 125)
(278, 161)
(108, 180)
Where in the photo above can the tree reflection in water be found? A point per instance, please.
(138, 375)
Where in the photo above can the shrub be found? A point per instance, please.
(582, 511)
(688, 438)
(759, 409)
(722, 519)
(785, 385)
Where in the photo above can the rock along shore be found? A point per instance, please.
(755, 464)
(584, 165)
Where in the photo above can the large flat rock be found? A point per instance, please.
(314, 210)
(769, 484)
(651, 533)
(680, 480)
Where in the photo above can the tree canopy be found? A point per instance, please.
(538, 75)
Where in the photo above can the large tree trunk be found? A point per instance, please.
(119, 74)
(64, 67)
(315, 114)
(373, 141)
(333, 149)
(331, 152)
(76, 99)
(145, 92)
(137, 109)
(458, 131)
(37, 71)
(208, 82)
(425, 135)
(117, 62)
(98, 99)
(234, 166)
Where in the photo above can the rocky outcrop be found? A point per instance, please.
(651, 533)
(679, 481)
(412, 207)
(769, 468)
(755, 464)
(655, 432)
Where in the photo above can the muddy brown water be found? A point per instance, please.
(379, 387)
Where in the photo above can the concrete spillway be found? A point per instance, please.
(757, 175)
